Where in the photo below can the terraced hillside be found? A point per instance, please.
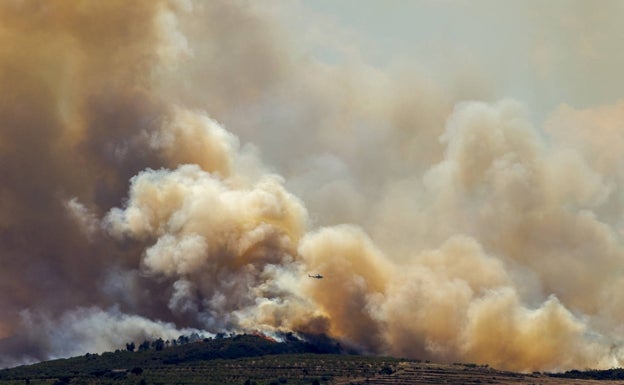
(247, 360)
(410, 372)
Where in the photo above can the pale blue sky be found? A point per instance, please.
(541, 53)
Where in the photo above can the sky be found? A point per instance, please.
(451, 168)
(542, 54)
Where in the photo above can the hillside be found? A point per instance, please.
(249, 359)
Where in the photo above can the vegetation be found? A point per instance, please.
(242, 359)
(609, 374)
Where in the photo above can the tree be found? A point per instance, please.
(158, 344)
(145, 345)
(130, 347)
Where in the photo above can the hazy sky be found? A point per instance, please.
(541, 53)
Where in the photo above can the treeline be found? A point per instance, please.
(616, 374)
(160, 344)
(244, 345)
(194, 348)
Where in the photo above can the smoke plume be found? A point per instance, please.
(171, 167)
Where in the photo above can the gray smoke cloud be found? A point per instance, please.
(176, 167)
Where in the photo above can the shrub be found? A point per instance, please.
(386, 370)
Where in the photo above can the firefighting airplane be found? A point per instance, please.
(317, 276)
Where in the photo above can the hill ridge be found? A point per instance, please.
(256, 360)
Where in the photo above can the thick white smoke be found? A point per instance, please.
(92, 330)
(237, 254)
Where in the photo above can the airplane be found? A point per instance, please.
(317, 276)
